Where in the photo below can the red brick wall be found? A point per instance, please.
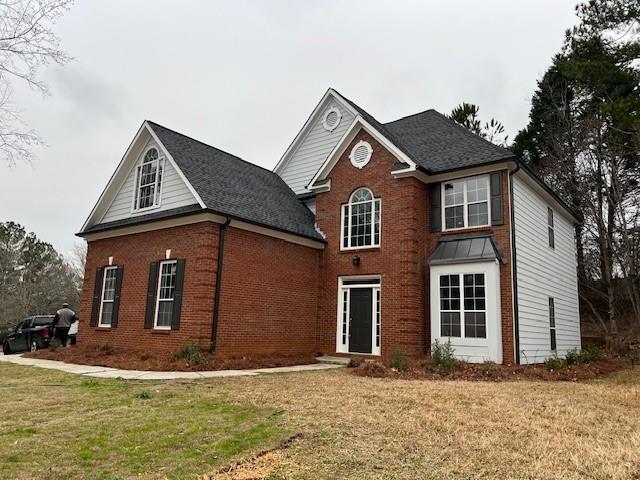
(269, 295)
(503, 238)
(400, 259)
(197, 243)
(268, 301)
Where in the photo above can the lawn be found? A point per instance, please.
(350, 427)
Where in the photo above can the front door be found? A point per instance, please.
(360, 320)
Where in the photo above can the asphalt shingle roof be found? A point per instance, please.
(232, 186)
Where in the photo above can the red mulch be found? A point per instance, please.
(135, 360)
(423, 369)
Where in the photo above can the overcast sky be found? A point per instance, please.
(244, 76)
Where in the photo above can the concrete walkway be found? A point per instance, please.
(107, 372)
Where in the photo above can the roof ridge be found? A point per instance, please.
(412, 115)
(212, 147)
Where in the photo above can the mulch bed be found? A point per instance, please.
(423, 369)
(135, 360)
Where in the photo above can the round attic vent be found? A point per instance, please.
(331, 119)
(361, 154)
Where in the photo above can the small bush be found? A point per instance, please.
(373, 369)
(144, 395)
(573, 356)
(54, 343)
(144, 356)
(106, 347)
(399, 360)
(442, 356)
(354, 363)
(193, 354)
(556, 363)
(590, 354)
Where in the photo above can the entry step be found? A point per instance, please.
(334, 360)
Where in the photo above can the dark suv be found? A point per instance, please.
(30, 334)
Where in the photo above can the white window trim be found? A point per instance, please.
(465, 204)
(158, 185)
(551, 228)
(376, 341)
(373, 232)
(102, 300)
(155, 317)
(462, 310)
(335, 110)
(369, 148)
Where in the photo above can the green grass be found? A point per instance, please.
(119, 429)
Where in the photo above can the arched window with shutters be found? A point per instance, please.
(361, 221)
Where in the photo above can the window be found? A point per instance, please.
(108, 296)
(166, 290)
(552, 238)
(466, 203)
(552, 322)
(361, 220)
(471, 307)
(148, 181)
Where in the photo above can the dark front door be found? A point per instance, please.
(360, 324)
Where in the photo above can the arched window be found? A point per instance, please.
(148, 180)
(361, 220)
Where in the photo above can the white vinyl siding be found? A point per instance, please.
(544, 272)
(308, 157)
(174, 192)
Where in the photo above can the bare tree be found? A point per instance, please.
(27, 42)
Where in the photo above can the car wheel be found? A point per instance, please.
(5, 348)
(68, 342)
(33, 346)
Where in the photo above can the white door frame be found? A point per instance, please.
(344, 306)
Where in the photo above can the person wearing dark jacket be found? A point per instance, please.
(62, 322)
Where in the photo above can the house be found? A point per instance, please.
(366, 238)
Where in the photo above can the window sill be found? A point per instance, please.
(161, 331)
(360, 249)
(456, 231)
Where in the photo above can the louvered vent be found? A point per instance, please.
(361, 154)
(331, 119)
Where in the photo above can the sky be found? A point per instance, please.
(244, 76)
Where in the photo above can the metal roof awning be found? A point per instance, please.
(466, 249)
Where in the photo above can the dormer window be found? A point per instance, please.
(148, 181)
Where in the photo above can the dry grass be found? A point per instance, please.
(364, 428)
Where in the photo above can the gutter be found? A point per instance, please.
(514, 270)
(218, 288)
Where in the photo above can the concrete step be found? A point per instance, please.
(333, 360)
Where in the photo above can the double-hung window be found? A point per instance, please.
(148, 181)
(165, 297)
(466, 203)
(463, 310)
(361, 220)
(108, 296)
(550, 228)
(552, 322)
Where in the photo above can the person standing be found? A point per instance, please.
(62, 322)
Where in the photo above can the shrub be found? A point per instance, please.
(373, 369)
(144, 395)
(354, 363)
(144, 356)
(442, 356)
(399, 360)
(106, 347)
(191, 353)
(556, 363)
(54, 344)
(590, 354)
(573, 356)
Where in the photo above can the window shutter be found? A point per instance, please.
(436, 208)
(116, 296)
(97, 293)
(152, 288)
(497, 216)
(177, 294)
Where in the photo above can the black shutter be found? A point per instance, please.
(497, 216)
(97, 293)
(177, 295)
(116, 296)
(152, 288)
(436, 211)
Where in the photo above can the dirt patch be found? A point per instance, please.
(423, 369)
(135, 360)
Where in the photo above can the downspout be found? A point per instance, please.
(216, 299)
(514, 269)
